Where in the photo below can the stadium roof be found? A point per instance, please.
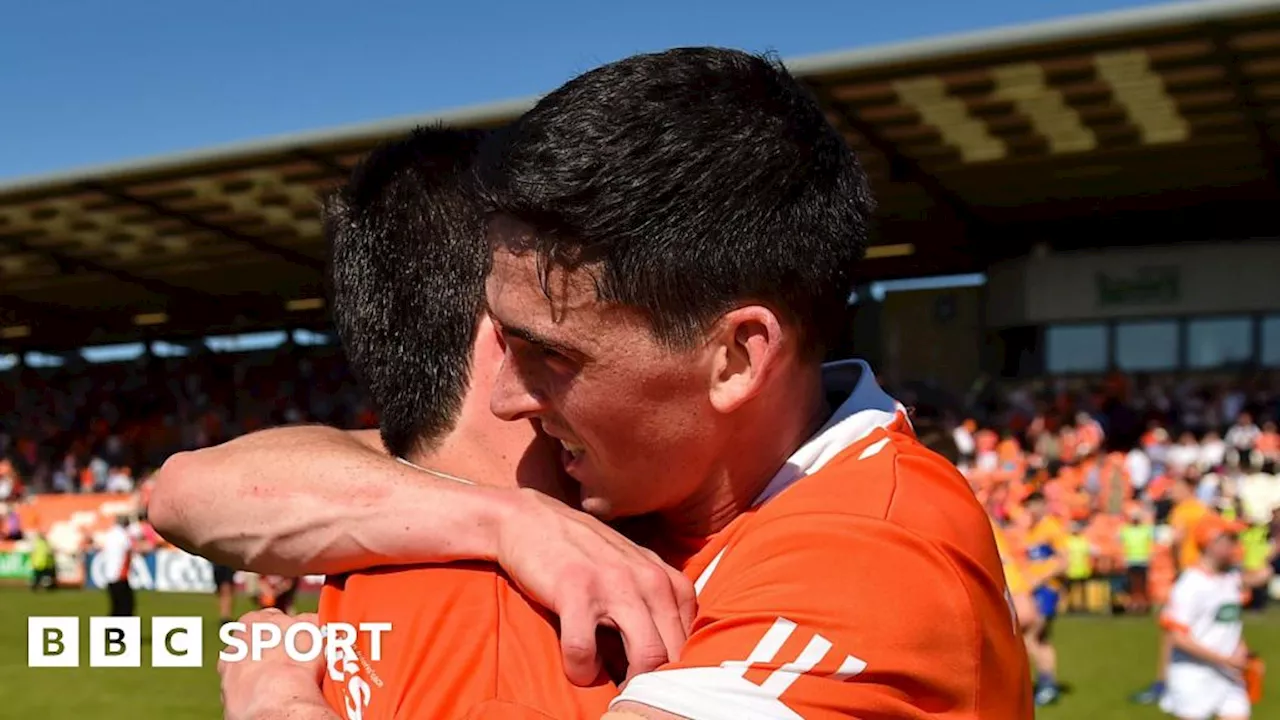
(1145, 125)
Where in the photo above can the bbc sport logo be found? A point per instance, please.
(178, 642)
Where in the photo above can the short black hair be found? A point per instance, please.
(1035, 496)
(407, 267)
(690, 181)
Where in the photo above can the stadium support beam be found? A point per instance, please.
(901, 165)
(34, 325)
(324, 161)
(16, 311)
(262, 246)
(68, 263)
(1246, 95)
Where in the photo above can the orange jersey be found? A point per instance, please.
(864, 582)
(464, 643)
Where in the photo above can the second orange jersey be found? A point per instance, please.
(865, 582)
(464, 643)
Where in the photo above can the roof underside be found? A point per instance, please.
(1144, 126)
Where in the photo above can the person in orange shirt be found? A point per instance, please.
(655, 286)
(1187, 512)
(1269, 441)
(403, 220)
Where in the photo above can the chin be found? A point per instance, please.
(598, 507)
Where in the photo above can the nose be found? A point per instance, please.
(514, 397)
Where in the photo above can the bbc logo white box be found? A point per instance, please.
(53, 642)
(115, 642)
(177, 642)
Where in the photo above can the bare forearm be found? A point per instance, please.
(305, 500)
(301, 710)
(1183, 642)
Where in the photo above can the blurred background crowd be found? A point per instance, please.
(1109, 453)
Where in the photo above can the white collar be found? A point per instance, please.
(867, 408)
(437, 473)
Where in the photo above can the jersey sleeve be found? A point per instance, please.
(829, 616)
(1180, 612)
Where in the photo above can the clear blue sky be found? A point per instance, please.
(92, 81)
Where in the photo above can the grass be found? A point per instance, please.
(1102, 659)
(109, 693)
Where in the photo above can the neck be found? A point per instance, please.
(486, 450)
(769, 431)
(1211, 567)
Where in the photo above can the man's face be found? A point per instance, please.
(634, 417)
(1223, 550)
(1181, 491)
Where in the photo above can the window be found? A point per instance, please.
(247, 342)
(164, 349)
(1271, 341)
(1075, 348)
(1219, 342)
(113, 353)
(1147, 345)
(43, 360)
(310, 337)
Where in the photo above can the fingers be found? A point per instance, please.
(656, 588)
(652, 605)
(686, 598)
(578, 644)
(646, 650)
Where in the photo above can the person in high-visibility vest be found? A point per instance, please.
(1138, 538)
(43, 564)
(1080, 554)
(1256, 562)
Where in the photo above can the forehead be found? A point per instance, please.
(559, 305)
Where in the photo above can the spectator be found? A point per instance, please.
(8, 481)
(1269, 441)
(119, 481)
(1138, 464)
(1243, 435)
(44, 568)
(1213, 451)
(1186, 454)
(12, 522)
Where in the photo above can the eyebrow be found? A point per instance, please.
(534, 339)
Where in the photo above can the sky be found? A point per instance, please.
(84, 82)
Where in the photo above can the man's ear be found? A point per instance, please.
(746, 345)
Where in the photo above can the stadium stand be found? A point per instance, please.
(1112, 180)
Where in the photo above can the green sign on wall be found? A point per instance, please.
(1145, 286)
(14, 565)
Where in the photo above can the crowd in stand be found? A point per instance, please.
(1114, 458)
(1104, 453)
(102, 428)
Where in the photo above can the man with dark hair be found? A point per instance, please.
(673, 237)
(408, 263)
(407, 274)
